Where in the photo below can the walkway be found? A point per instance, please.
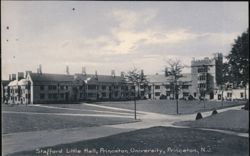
(16, 142)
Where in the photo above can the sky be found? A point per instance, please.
(104, 36)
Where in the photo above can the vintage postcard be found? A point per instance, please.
(124, 78)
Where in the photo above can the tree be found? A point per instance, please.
(174, 69)
(238, 60)
(137, 78)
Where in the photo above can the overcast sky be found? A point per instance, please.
(115, 35)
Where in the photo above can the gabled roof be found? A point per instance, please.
(157, 78)
(45, 77)
(100, 78)
(163, 78)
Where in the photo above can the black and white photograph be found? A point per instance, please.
(124, 78)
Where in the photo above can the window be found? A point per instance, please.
(167, 86)
(50, 87)
(104, 94)
(54, 87)
(229, 94)
(202, 85)
(185, 93)
(42, 96)
(91, 94)
(202, 77)
(141, 87)
(126, 88)
(241, 95)
(91, 87)
(115, 87)
(194, 94)
(116, 93)
(50, 96)
(184, 86)
(66, 87)
(62, 95)
(62, 87)
(80, 87)
(157, 87)
(55, 96)
(157, 94)
(168, 93)
(103, 87)
(132, 87)
(201, 70)
(41, 87)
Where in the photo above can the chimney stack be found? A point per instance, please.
(113, 73)
(9, 77)
(39, 69)
(27, 73)
(67, 70)
(20, 75)
(13, 77)
(122, 74)
(84, 71)
(166, 72)
(96, 75)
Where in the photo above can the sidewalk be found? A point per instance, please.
(16, 142)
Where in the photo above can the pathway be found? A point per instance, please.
(16, 142)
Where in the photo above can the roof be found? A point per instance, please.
(13, 83)
(100, 78)
(163, 78)
(157, 78)
(5, 82)
(23, 82)
(36, 77)
(45, 77)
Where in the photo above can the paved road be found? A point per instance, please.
(16, 142)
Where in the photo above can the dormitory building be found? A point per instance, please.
(38, 87)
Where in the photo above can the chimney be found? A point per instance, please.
(39, 69)
(84, 71)
(13, 77)
(9, 77)
(142, 72)
(20, 75)
(96, 75)
(166, 72)
(122, 74)
(67, 70)
(113, 73)
(27, 73)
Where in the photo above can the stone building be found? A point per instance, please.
(41, 88)
(206, 76)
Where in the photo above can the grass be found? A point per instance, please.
(170, 141)
(234, 120)
(169, 106)
(18, 122)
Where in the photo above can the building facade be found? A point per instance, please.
(42, 88)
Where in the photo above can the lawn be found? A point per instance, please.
(169, 106)
(154, 141)
(30, 118)
(234, 120)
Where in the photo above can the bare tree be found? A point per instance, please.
(174, 69)
(137, 78)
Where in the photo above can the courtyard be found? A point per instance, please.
(84, 125)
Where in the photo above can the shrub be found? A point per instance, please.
(214, 112)
(198, 116)
(246, 105)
